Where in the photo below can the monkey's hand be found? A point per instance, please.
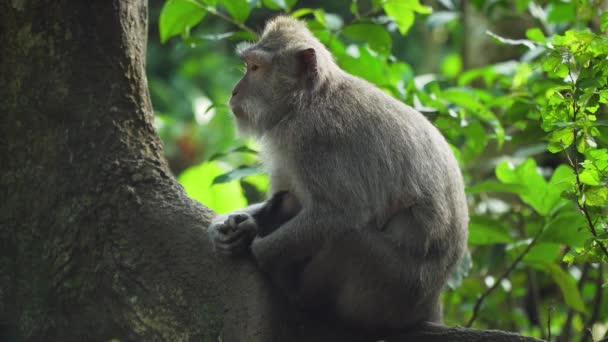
(232, 235)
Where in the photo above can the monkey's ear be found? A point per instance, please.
(308, 62)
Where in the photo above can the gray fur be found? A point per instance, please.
(384, 216)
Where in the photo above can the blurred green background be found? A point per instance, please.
(519, 89)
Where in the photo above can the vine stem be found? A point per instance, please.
(581, 206)
(503, 276)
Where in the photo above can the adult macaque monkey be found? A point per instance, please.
(380, 216)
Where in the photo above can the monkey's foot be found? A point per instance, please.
(233, 236)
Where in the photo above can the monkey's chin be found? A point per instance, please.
(243, 128)
(238, 112)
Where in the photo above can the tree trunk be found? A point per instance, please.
(97, 239)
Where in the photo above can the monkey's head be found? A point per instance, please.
(287, 63)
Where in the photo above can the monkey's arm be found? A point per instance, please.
(297, 239)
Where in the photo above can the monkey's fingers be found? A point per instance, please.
(225, 228)
(240, 219)
(234, 235)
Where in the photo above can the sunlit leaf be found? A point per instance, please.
(279, 4)
(402, 11)
(301, 12)
(536, 35)
(239, 149)
(238, 9)
(238, 173)
(590, 177)
(178, 16)
(597, 196)
(538, 193)
(451, 65)
(198, 183)
(560, 139)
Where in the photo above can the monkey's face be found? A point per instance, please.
(251, 100)
(281, 67)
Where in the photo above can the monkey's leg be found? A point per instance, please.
(365, 277)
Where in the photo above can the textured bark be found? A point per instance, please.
(97, 239)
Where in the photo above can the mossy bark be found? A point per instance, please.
(97, 239)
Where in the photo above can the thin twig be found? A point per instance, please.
(597, 303)
(223, 16)
(503, 276)
(549, 324)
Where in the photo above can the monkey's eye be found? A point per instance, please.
(254, 67)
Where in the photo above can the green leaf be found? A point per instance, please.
(178, 16)
(562, 179)
(486, 231)
(238, 173)
(604, 19)
(301, 12)
(540, 252)
(238, 9)
(521, 5)
(374, 35)
(279, 4)
(354, 8)
(402, 11)
(567, 285)
(561, 12)
(403, 18)
(365, 65)
(536, 35)
(567, 228)
(494, 186)
(590, 254)
(597, 196)
(260, 181)
(467, 99)
(197, 181)
(590, 177)
(239, 149)
(451, 65)
(538, 193)
(560, 139)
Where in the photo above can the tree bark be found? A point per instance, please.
(97, 239)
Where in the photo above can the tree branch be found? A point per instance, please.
(503, 276)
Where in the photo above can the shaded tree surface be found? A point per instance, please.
(97, 239)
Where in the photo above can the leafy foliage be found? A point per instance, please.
(525, 114)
